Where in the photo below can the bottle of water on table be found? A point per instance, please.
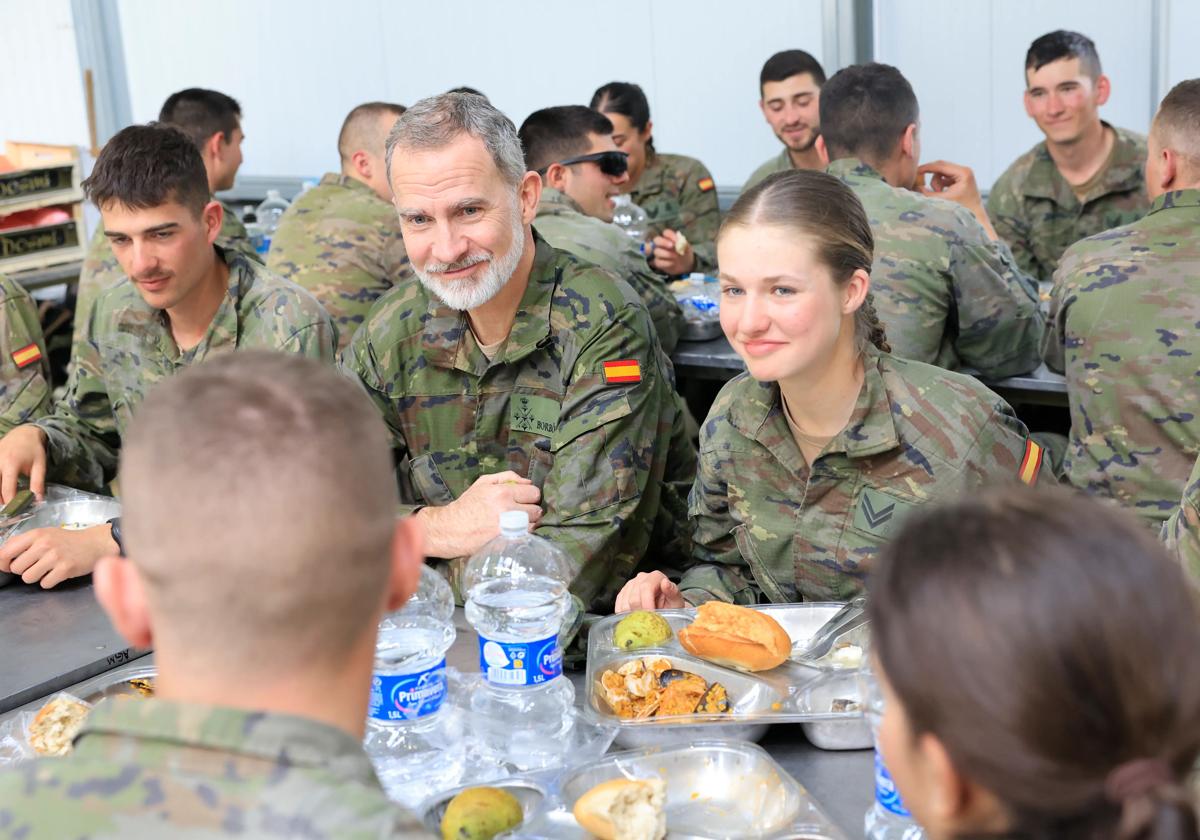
(267, 215)
(516, 599)
(887, 818)
(416, 745)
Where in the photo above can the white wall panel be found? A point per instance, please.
(41, 86)
(1183, 59)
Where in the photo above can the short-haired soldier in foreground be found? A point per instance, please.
(188, 300)
(340, 240)
(513, 376)
(571, 147)
(213, 121)
(259, 577)
(1123, 322)
(1085, 177)
(948, 293)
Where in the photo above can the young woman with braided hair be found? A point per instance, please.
(810, 459)
(1039, 658)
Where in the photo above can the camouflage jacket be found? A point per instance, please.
(130, 347)
(24, 368)
(1123, 318)
(341, 242)
(947, 294)
(607, 450)
(1036, 212)
(565, 226)
(1181, 532)
(678, 192)
(767, 526)
(101, 270)
(782, 162)
(153, 768)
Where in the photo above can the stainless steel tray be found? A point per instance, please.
(700, 330)
(116, 683)
(715, 789)
(56, 514)
(790, 693)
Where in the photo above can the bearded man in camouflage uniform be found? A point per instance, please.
(340, 239)
(1122, 328)
(513, 376)
(187, 300)
(263, 646)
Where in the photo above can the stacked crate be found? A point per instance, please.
(41, 209)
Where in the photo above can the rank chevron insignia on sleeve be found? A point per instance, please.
(880, 513)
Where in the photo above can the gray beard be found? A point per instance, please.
(471, 293)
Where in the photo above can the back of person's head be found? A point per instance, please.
(865, 110)
(624, 98)
(825, 212)
(784, 65)
(555, 134)
(465, 89)
(1177, 124)
(363, 129)
(259, 507)
(145, 166)
(201, 113)
(1060, 44)
(1049, 645)
(437, 121)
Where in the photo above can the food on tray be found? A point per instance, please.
(480, 813)
(844, 704)
(737, 637)
(73, 526)
(143, 685)
(641, 629)
(844, 655)
(681, 243)
(56, 724)
(624, 809)
(649, 686)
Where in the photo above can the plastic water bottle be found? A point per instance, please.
(416, 745)
(517, 599)
(887, 818)
(268, 214)
(630, 218)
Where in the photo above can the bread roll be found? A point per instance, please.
(624, 809)
(736, 637)
(56, 724)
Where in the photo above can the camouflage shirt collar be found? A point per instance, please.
(283, 739)
(342, 180)
(1175, 199)
(1124, 173)
(653, 180)
(556, 203)
(852, 170)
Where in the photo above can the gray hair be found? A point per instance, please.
(435, 122)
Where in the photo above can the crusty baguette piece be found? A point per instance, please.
(624, 809)
(55, 725)
(736, 637)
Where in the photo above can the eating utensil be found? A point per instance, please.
(850, 617)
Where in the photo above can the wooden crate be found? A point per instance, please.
(44, 176)
(27, 248)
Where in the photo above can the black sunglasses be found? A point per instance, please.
(612, 164)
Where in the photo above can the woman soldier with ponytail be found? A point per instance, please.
(1039, 658)
(811, 459)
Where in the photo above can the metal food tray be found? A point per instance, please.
(790, 693)
(714, 789)
(56, 514)
(700, 329)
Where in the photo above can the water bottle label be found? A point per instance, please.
(398, 697)
(885, 790)
(520, 663)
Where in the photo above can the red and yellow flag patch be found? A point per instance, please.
(27, 355)
(1031, 464)
(625, 370)
(705, 184)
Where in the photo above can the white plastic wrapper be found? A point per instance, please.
(15, 742)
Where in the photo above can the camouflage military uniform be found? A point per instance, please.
(565, 226)
(24, 369)
(610, 456)
(947, 294)
(1036, 212)
(765, 525)
(678, 192)
(1123, 319)
(1181, 532)
(153, 768)
(782, 162)
(101, 270)
(130, 347)
(342, 242)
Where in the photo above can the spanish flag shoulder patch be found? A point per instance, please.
(27, 355)
(705, 184)
(624, 370)
(1031, 464)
